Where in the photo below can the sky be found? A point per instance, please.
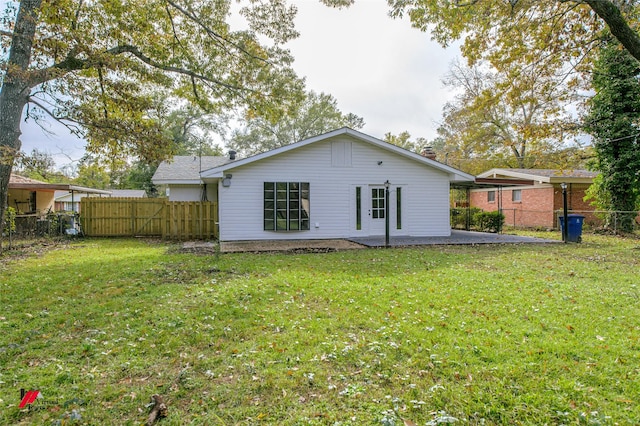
(376, 67)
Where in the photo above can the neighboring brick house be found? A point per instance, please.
(536, 205)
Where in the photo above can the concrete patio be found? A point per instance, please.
(457, 237)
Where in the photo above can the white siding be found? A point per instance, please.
(425, 192)
(192, 192)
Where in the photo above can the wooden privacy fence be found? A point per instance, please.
(128, 217)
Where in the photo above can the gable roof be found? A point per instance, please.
(455, 174)
(185, 169)
(544, 175)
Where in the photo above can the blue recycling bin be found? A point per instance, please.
(574, 229)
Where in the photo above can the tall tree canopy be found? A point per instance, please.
(403, 140)
(95, 66)
(313, 115)
(38, 165)
(504, 30)
(509, 118)
(614, 122)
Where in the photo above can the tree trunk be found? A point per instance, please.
(618, 25)
(14, 93)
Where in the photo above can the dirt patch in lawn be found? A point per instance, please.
(294, 246)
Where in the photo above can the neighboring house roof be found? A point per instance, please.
(21, 182)
(543, 175)
(455, 174)
(15, 179)
(128, 193)
(185, 169)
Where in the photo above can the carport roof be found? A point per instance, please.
(21, 182)
(488, 182)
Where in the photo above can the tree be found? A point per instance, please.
(91, 174)
(192, 131)
(96, 65)
(512, 117)
(138, 176)
(38, 165)
(403, 140)
(614, 122)
(313, 115)
(504, 30)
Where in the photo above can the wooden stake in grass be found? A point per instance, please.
(159, 409)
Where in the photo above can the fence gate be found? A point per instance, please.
(153, 217)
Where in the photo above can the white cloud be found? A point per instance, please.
(377, 67)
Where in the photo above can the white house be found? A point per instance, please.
(330, 186)
(181, 177)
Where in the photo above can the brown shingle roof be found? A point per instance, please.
(14, 178)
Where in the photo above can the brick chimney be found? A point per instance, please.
(428, 152)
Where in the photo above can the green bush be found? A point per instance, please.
(9, 220)
(488, 221)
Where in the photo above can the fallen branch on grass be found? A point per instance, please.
(159, 409)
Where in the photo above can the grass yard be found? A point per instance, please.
(478, 335)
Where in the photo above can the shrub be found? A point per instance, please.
(9, 220)
(488, 221)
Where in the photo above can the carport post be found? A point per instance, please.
(386, 213)
(565, 216)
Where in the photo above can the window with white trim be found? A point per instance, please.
(516, 195)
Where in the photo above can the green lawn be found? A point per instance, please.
(511, 334)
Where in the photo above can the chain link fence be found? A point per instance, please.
(463, 218)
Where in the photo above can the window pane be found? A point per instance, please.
(398, 208)
(286, 206)
(304, 201)
(358, 209)
(377, 203)
(269, 205)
